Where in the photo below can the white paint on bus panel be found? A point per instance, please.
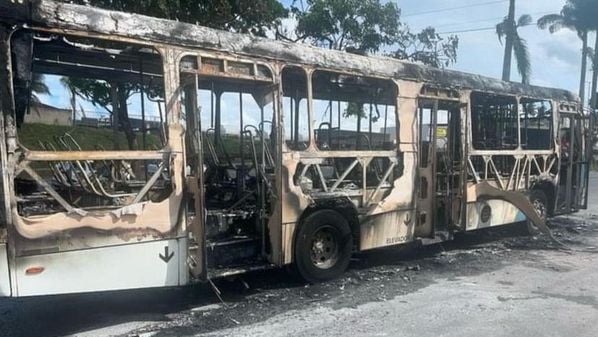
(141, 265)
(4, 273)
(501, 213)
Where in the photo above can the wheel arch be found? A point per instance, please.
(343, 206)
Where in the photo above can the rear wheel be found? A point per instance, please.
(323, 246)
(540, 203)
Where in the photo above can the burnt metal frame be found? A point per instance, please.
(50, 14)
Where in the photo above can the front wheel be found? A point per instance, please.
(323, 246)
(540, 203)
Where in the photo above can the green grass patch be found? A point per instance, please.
(88, 138)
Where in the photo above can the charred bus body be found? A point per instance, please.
(221, 153)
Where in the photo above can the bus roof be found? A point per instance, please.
(52, 14)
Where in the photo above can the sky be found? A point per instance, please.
(555, 57)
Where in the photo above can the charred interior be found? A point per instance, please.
(355, 130)
(503, 123)
(90, 127)
(441, 151)
(229, 111)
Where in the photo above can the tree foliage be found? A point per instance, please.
(510, 29)
(428, 47)
(38, 87)
(358, 26)
(570, 19)
(112, 97)
(340, 24)
(370, 26)
(254, 17)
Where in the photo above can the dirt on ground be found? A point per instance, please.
(373, 277)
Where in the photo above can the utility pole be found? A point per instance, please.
(73, 106)
(584, 64)
(594, 96)
(506, 66)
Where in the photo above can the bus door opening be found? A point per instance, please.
(574, 133)
(440, 161)
(229, 115)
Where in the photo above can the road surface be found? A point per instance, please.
(498, 282)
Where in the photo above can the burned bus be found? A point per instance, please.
(141, 152)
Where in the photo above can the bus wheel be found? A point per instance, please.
(539, 202)
(323, 246)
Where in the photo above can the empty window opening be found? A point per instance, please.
(353, 112)
(494, 122)
(83, 94)
(294, 107)
(535, 122)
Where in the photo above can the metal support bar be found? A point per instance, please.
(344, 175)
(70, 209)
(384, 178)
(149, 184)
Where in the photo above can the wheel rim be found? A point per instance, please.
(325, 247)
(540, 208)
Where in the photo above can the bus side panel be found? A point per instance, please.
(387, 229)
(4, 274)
(491, 213)
(140, 265)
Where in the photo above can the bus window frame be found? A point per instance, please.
(395, 104)
(38, 155)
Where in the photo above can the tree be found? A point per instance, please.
(38, 87)
(569, 18)
(254, 17)
(586, 12)
(369, 26)
(428, 47)
(515, 43)
(364, 26)
(110, 96)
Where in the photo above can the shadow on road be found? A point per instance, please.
(254, 297)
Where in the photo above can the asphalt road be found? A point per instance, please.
(498, 282)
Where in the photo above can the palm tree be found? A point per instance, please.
(587, 13)
(38, 87)
(515, 43)
(569, 18)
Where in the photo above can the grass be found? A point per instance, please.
(89, 138)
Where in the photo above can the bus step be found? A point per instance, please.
(439, 236)
(227, 272)
(232, 252)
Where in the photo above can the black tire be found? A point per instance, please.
(540, 202)
(323, 246)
